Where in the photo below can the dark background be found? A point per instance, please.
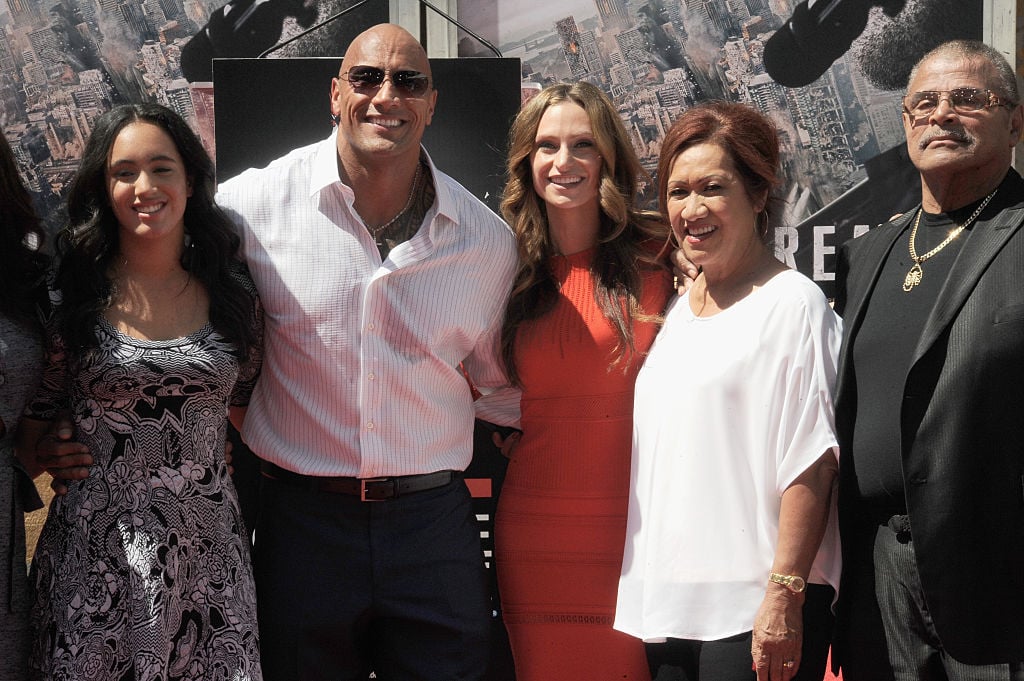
(266, 107)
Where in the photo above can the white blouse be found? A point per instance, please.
(729, 411)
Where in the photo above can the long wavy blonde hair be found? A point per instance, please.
(625, 235)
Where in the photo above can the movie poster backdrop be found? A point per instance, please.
(829, 72)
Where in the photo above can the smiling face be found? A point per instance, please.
(379, 123)
(947, 143)
(710, 211)
(147, 183)
(565, 162)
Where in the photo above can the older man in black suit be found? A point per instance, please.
(930, 401)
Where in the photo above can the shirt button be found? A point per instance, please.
(372, 376)
(370, 327)
(369, 425)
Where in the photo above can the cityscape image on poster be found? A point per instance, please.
(831, 83)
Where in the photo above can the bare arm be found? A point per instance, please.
(778, 625)
(237, 416)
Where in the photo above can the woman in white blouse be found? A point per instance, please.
(731, 551)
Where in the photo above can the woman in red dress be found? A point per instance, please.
(583, 311)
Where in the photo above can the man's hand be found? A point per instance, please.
(506, 444)
(61, 456)
(685, 271)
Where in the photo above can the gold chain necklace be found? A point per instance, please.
(915, 274)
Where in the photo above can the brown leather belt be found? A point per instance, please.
(367, 489)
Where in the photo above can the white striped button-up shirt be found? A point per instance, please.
(361, 369)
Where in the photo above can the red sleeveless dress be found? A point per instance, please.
(561, 518)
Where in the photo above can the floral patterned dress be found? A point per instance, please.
(142, 570)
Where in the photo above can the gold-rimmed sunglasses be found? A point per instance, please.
(962, 100)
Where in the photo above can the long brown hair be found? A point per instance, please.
(625, 230)
(90, 242)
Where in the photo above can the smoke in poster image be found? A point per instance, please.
(62, 62)
(830, 73)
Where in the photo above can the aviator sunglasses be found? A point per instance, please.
(411, 83)
(962, 100)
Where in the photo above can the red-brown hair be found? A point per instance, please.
(747, 135)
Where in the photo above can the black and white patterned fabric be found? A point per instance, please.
(143, 570)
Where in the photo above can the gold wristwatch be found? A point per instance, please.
(794, 583)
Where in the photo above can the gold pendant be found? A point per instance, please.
(913, 277)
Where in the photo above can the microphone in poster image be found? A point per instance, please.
(817, 34)
(334, 17)
(241, 28)
(252, 28)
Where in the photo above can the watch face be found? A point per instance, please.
(794, 583)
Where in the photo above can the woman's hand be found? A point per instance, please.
(685, 271)
(803, 515)
(778, 634)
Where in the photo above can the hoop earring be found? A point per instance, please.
(762, 224)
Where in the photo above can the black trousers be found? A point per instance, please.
(346, 587)
(915, 652)
(729, 659)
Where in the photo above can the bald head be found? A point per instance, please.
(384, 39)
(383, 112)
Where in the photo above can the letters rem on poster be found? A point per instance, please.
(789, 240)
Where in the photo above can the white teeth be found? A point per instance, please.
(387, 122)
(700, 231)
(566, 179)
(152, 208)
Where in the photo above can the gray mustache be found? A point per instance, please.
(955, 134)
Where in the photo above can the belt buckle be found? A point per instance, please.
(362, 488)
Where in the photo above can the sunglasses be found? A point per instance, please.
(962, 100)
(410, 83)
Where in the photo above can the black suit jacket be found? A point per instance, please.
(962, 437)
